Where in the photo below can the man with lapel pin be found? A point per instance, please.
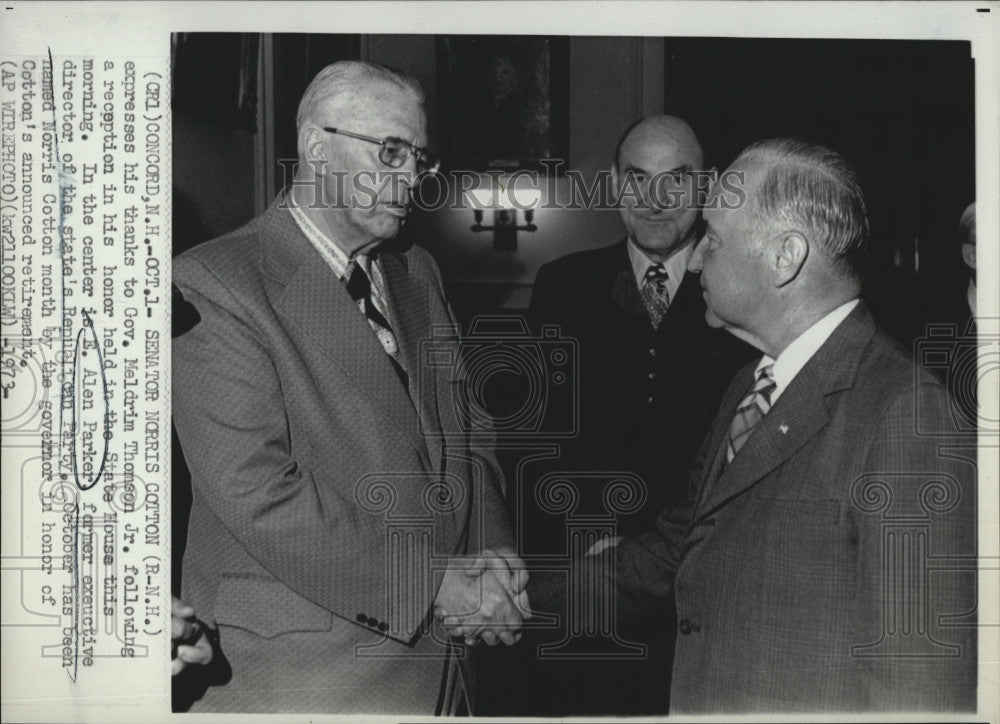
(824, 559)
(651, 376)
(336, 506)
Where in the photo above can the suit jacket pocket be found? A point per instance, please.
(267, 607)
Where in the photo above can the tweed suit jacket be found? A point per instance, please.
(326, 497)
(818, 570)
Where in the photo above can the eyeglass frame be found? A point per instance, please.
(416, 150)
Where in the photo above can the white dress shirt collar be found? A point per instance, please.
(328, 249)
(676, 266)
(795, 355)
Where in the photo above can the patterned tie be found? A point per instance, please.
(754, 406)
(654, 293)
(372, 304)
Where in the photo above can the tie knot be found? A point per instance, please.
(656, 273)
(765, 384)
(358, 284)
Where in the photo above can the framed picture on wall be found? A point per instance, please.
(504, 101)
(215, 77)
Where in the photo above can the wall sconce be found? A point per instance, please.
(505, 226)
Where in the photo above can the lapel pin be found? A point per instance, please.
(784, 428)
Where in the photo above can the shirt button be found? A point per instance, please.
(652, 351)
(650, 400)
(652, 375)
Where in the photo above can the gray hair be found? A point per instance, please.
(342, 81)
(967, 225)
(816, 189)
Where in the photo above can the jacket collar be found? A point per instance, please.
(798, 415)
(314, 300)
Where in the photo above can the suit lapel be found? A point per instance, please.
(409, 316)
(798, 415)
(624, 289)
(315, 301)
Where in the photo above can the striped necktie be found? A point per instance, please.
(654, 293)
(372, 304)
(750, 412)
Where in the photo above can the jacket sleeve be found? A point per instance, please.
(489, 527)
(639, 572)
(644, 565)
(915, 512)
(230, 415)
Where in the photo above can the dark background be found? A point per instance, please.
(901, 111)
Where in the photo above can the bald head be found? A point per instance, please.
(663, 130)
(658, 198)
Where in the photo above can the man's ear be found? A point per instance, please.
(614, 178)
(313, 148)
(790, 254)
(969, 255)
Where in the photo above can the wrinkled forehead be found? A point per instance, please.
(656, 150)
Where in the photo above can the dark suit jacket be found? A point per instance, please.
(802, 572)
(647, 396)
(318, 518)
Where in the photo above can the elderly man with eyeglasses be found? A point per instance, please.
(344, 530)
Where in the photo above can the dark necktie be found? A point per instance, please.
(654, 293)
(359, 286)
(750, 412)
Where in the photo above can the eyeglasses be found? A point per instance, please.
(394, 151)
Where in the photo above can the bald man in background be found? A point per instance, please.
(652, 374)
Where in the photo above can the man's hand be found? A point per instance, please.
(484, 598)
(510, 570)
(189, 642)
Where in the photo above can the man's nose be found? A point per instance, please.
(404, 178)
(408, 171)
(650, 198)
(695, 262)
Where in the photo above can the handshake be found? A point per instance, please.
(484, 598)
